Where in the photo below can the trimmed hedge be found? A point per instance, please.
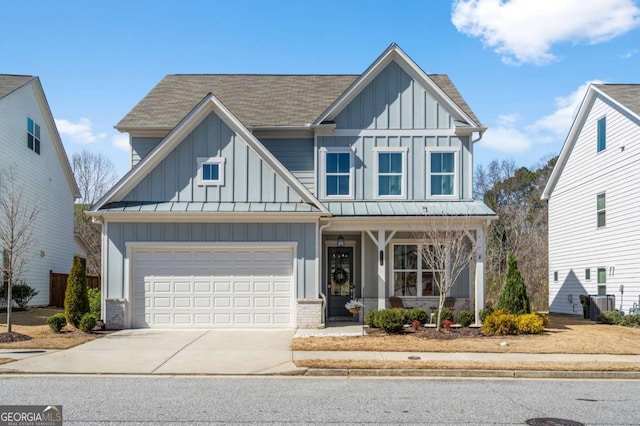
(419, 314)
(88, 322)
(391, 320)
(465, 318)
(447, 314)
(501, 323)
(57, 322)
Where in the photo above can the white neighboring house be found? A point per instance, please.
(594, 203)
(30, 141)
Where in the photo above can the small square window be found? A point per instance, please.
(602, 134)
(555, 277)
(33, 135)
(211, 171)
(587, 274)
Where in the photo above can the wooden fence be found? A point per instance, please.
(58, 286)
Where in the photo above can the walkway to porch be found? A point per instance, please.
(341, 328)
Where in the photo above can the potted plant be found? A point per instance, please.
(354, 306)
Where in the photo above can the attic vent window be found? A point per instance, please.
(211, 171)
(33, 136)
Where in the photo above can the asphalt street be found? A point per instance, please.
(145, 400)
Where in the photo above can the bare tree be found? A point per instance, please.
(95, 175)
(17, 217)
(449, 249)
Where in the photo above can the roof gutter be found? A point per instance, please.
(481, 131)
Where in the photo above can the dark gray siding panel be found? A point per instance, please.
(296, 154)
(247, 177)
(301, 233)
(140, 147)
(394, 100)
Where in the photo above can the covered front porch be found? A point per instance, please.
(371, 260)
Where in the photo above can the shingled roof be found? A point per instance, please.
(627, 94)
(258, 100)
(10, 83)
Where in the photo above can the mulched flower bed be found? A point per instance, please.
(433, 333)
(13, 337)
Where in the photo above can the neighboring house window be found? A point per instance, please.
(411, 276)
(601, 210)
(555, 277)
(602, 281)
(602, 134)
(211, 171)
(587, 274)
(33, 136)
(338, 173)
(390, 172)
(442, 178)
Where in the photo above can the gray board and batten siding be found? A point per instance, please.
(175, 178)
(394, 100)
(120, 233)
(296, 154)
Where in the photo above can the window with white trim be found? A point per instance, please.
(211, 171)
(442, 175)
(391, 171)
(601, 215)
(411, 275)
(602, 281)
(602, 134)
(33, 136)
(338, 173)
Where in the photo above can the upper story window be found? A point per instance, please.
(338, 173)
(391, 172)
(602, 134)
(601, 210)
(33, 135)
(211, 171)
(442, 174)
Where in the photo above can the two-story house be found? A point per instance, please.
(271, 200)
(31, 146)
(594, 195)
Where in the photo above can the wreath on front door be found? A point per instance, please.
(340, 276)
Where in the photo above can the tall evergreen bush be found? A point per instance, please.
(76, 299)
(513, 297)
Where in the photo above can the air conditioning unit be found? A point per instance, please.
(601, 304)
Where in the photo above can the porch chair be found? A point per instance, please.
(396, 302)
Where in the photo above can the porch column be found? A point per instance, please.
(381, 268)
(479, 293)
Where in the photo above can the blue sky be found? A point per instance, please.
(522, 65)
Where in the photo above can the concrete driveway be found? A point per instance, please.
(152, 351)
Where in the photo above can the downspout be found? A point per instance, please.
(323, 322)
(480, 135)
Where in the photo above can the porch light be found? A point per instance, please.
(340, 242)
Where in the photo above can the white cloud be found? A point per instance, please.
(509, 136)
(505, 137)
(629, 54)
(121, 141)
(558, 122)
(79, 132)
(525, 30)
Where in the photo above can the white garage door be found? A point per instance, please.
(205, 287)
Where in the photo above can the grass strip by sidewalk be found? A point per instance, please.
(467, 365)
(6, 360)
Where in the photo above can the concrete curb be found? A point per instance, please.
(513, 374)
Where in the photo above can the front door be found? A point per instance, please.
(340, 284)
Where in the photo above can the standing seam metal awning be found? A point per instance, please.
(409, 208)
